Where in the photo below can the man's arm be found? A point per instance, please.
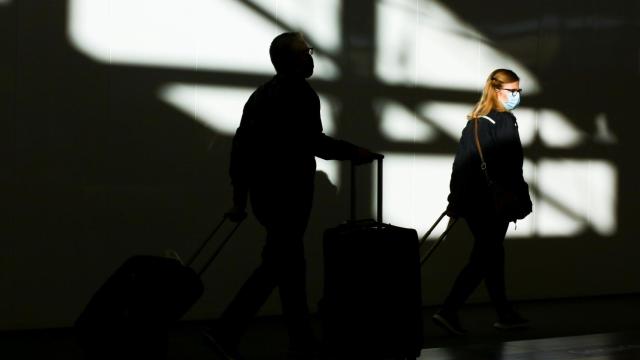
(238, 171)
(240, 162)
(329, 148)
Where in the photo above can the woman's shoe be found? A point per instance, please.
(449, 321)
(510, 320)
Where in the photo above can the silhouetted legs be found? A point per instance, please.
(283, 266)
(485, 263)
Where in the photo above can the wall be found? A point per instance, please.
(117, 119)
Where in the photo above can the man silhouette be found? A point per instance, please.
(273, 164)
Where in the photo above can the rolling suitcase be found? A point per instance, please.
(371, 305)
(129, 315)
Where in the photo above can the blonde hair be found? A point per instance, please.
(489, 99)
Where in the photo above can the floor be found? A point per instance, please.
(600, 328)
(612, 346)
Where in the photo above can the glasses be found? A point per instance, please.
(306, 50)
(513, 91)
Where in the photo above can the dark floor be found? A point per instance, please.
(609, 346)
(597, 328)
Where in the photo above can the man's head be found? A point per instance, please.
(291, 55)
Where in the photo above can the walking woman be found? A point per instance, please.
(488, 191)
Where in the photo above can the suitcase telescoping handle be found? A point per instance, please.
(433, 248)
(218, 249)
(353, 191)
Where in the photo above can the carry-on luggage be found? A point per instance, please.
(371, 306)
(129, 315)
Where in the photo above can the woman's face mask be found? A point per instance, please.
(509, 95)
(512, 101)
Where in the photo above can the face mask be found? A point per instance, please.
(512, 101)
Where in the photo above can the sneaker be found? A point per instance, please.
(450, 322)
(510, 320)
(224, 349)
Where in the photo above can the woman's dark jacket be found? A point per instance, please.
(502, 152)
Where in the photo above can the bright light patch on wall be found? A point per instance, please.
(329, 109)
(398, 123)
(527, 226)
(527, 124)
(415, 190)
(422, 42)
(576, 194)
(195, 34)
(323, 27)
(418, 42)
(449, 117)
(569, 196)
(557, 131)
(331, 168)
(554, 129)
(220, 108)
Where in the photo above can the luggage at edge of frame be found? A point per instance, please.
(130, 314)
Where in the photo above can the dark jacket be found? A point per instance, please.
(503, 155)
(280, 134)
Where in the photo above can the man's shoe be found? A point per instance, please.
(449, 321)
(224, 349)
(510, 320)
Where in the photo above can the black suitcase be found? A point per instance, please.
(371, 306)
(129, 315)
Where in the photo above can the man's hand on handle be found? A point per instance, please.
(363, 156)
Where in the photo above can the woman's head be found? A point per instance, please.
(501, 92)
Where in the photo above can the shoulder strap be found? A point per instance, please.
(483, 164)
